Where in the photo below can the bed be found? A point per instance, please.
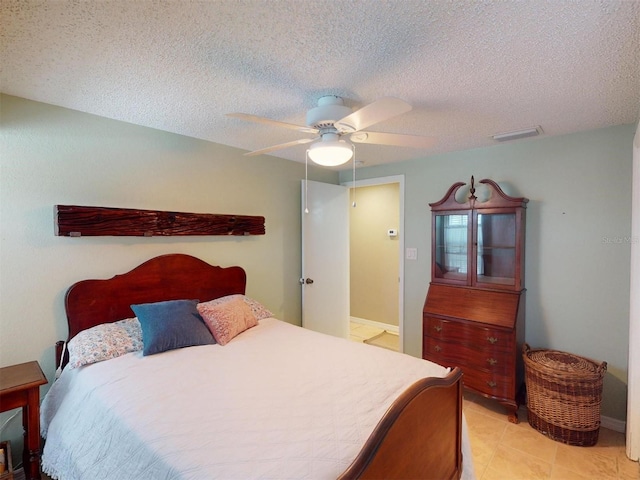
(273, 401)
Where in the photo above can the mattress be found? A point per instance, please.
(277, 402)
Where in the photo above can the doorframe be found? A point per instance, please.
(399, 179)
(633, 374)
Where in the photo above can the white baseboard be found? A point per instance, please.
(613, 424)
(372, 323)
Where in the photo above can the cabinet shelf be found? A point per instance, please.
(453, 251)
(496, 280)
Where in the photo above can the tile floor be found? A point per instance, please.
(506, 451)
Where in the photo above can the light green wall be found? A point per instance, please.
(578, 222)
(374, 284)
(50, 155)
(578, 239)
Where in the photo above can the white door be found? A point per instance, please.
(325, 258)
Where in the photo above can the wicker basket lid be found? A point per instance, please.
(564, 362)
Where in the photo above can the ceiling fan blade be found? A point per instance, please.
(396, 139)
(281, 146)
(382, 109)
(268, 121)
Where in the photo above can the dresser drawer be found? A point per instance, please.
(472, 335)
(493, 384)
(496, 382)
(478, 330)
(452, 354)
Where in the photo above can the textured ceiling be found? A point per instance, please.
(469, 68)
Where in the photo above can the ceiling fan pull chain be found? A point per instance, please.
(353, 147)
(306, 180)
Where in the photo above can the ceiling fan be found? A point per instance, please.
(332, 119)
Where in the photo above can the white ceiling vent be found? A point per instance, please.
(517, 134)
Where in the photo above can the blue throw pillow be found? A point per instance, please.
(171, 324)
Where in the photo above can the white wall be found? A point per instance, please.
(51, 155)
(577, 252)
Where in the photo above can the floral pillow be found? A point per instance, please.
(259, 311)
(102, 342)
(227, 319)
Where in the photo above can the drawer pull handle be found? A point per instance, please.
(437, 328)
(492, 384)
(492, 340)
(492, 361)
(437, 348)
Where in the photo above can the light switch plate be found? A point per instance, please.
(411, 254)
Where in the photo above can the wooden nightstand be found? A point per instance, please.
(20, 387)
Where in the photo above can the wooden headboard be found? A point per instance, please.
(168, 277)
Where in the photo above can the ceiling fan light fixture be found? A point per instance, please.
(330, 153)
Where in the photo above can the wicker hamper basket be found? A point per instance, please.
(564, 392)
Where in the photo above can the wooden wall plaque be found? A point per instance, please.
(78, 221)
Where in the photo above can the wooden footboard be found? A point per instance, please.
(419, 437)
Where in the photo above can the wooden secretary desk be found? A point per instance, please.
(473, 315)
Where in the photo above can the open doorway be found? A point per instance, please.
(376, 262)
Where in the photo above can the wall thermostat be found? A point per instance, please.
(392, 232)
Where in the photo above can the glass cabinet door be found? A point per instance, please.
(451, 247)
(495, 248)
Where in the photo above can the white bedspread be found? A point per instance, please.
(276, 402)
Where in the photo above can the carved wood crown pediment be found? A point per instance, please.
(497, 198)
